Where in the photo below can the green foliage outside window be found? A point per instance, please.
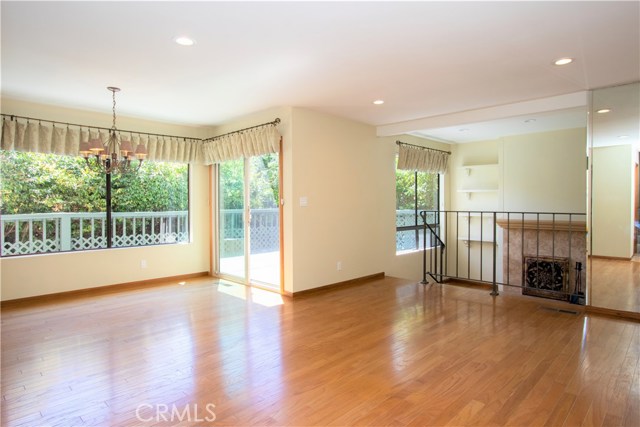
(264, 191)
(42, 183)
(427, 194)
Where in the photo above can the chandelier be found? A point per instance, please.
(116, 155)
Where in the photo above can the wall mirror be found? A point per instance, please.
(614, 204)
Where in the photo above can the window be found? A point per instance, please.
(51, 203)
(415, 192)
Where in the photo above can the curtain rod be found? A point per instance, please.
(13, 117)
(275, 122)
(420, 146)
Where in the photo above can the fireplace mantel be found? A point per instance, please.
(573, 226)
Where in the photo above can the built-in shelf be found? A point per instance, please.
(478, 178)
(470, 168)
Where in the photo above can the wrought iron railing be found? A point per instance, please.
(542, 253)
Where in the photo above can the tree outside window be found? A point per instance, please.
(53, 203)
(415, 192)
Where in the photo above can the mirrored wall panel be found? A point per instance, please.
(615, 198)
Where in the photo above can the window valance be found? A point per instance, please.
(51, 137)
(248, 143)
(422, 159)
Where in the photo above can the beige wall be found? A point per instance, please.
(347, 175)
(44, 274)
(545, 172)
(343, 171)
(538, 172)
(613, 198)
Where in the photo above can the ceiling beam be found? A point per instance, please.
(554, 103)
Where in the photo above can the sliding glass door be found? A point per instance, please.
(232, 219)
(249, 220)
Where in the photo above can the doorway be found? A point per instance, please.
(249, 233)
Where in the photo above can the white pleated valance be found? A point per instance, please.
(422, 159)
(47, 138)
(170, 149)
(248, 143)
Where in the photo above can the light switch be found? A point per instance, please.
(303, 201)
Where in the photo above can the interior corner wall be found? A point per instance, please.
(347, 176)
(343, 174)
(612, 201)
(26, 276)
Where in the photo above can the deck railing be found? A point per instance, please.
(265, 231)
(23, 234)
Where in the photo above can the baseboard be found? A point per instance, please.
(628, 315)
(346, 283)
(612, 258)
(98, 290)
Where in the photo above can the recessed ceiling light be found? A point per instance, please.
(463, 130)
(603, 110)
(184, 41)
(623, 136)
(530, 120)
(563, 61)
(378, 102)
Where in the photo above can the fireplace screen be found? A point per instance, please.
(546, 277)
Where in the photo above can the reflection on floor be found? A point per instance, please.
(615, 284)
(385, 352)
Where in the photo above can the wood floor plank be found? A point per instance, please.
(386, 352)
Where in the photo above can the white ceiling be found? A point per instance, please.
(425, 59)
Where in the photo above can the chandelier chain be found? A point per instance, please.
(113, 93)
(114, 110)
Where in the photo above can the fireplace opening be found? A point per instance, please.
(546, 277)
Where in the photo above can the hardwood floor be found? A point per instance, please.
(387, 352)
(615, 284)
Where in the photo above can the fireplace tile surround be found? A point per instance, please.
(545, 239)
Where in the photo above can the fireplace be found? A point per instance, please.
(546, 277)
(562, 243)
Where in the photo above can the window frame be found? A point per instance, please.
(109, 233)
(417, 227)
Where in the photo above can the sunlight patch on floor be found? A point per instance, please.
(259, 296)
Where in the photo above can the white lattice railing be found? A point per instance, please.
(54, 232)
(75, 231)
(265, 231)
